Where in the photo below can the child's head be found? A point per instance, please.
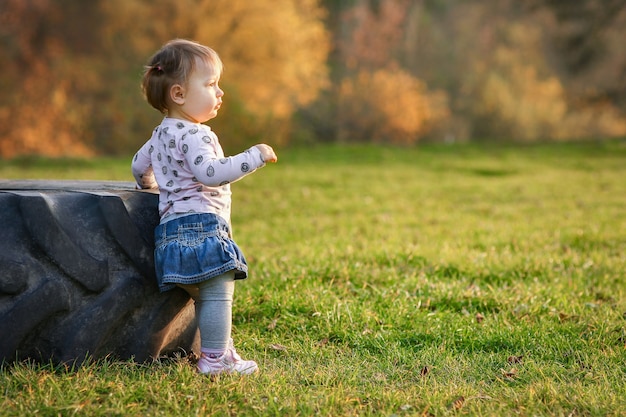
(172, 65)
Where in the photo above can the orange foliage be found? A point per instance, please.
(37, 114)
(71, 75)
(378, 100)
(388, 106)
(274, 51)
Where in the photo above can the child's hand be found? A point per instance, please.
(148, 181)
(267, 153)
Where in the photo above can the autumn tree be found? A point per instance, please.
(513, 90)
(375, 98)
(274, 53)
(400, 70)
(387, 106)
(505, 71)
(586, 40)
(75, 81)
(40, 76)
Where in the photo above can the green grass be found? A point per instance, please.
(111, 169)
(438, 280)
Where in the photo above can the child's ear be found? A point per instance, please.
(177, 94)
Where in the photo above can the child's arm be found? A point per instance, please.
(142, 168)
(215, 172)
(212, 171)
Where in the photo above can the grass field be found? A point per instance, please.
(438, 280)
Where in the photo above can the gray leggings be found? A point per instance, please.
(214, 309)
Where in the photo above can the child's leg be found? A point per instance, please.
(214, 306)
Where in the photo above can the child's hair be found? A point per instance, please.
(172, 65)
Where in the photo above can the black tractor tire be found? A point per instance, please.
(77, 275)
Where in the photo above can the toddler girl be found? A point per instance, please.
(184, 160)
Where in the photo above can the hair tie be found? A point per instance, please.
(158, 68)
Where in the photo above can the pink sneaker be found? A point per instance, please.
(229, 362)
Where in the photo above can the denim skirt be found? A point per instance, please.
(194, 248)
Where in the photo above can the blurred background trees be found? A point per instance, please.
(301, 71)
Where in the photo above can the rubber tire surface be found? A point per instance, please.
(77, 275)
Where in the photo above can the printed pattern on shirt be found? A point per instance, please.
(190, 168)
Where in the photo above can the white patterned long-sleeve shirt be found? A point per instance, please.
(186, 162)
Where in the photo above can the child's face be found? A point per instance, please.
(202, 94)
